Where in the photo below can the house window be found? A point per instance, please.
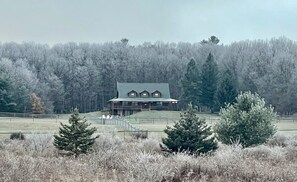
(144, 94)
(132, 94)
(156, 94)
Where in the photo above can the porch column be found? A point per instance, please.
(112, 108)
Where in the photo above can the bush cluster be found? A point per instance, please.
(116, 159)
(17, 136)
(140, 134)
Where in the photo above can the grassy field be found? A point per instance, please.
(153, 121)
(164, 117)
(156, 121)
(43, 125)
(286, 127)
(116, 158)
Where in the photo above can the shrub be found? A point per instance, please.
(76, 138)
(291, 153)
(118, 159)
(17, 136)
(149, 145)
(292, 141)
(259, 152)
(190, 134)
(140, 134)
(277, 140)
(247, 121)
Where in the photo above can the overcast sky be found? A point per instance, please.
(96, 21)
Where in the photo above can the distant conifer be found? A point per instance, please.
(209, 81)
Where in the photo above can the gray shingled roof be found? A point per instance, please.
(143, 100)
(125, 88)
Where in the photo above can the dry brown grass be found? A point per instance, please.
(116, 159)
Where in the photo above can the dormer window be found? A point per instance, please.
(132, 94)
(156, 94)
(144, 94)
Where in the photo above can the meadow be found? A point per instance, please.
(152, 121)
(156, 121)
(46, 125)
(118, 158)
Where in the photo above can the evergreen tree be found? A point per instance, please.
(226, 91)
(6, 104)
(209, 82)
(4, 100)
(190, 134)
(212, 39)
(191, 84)
(247, 121)
(76, 138)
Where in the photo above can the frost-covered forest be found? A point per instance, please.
(84, 75)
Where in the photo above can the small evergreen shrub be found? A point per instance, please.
(75, 138)
(247, 121)
(17, 136)
(190, 134)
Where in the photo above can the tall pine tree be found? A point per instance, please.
(6, 104)
(190, 134)
(191, 84)
(209, 81)
(76, 138)
(227, 90)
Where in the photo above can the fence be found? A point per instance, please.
(163, 120)
(119, 121)
(27, 115)
(127, 124)
(134, 120)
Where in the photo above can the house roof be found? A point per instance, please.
(143, 100)
(125, 88)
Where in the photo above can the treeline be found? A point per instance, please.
(84, 75)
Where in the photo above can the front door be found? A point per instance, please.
(145, 105)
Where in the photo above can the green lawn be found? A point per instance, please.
(156, 121)
(42, 125)
(284, 128)
(153, 121)
(287, 127)
(164, 117)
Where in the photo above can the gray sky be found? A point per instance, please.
(96, 21)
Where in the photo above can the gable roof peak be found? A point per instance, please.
(124, 88)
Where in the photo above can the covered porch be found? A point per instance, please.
(124, 107)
